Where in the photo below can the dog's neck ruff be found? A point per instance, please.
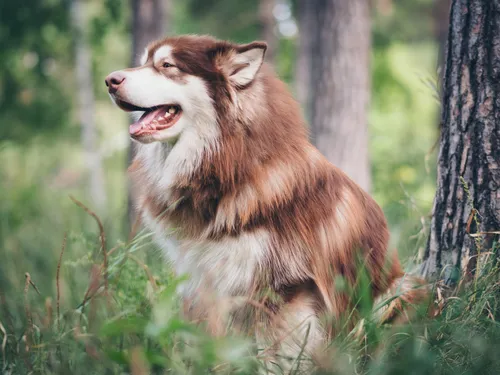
(166, 163)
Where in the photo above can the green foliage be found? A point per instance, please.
(36, 55)
(226, 19)
(33, 37)
(108, 16)
(137, 327)
(404, 131)
(404, 21)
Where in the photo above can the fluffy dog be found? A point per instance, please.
(240, 200)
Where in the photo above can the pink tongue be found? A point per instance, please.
(146, 118)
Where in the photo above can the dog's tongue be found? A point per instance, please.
(145, 119)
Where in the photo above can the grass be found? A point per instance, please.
(127, 320)
(61, 320)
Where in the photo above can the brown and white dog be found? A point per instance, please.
(237, 196)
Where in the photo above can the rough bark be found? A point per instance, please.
(86, 109)
(467, 201)
(268, 28)
(340, 84)
(150, 21)
(306, 16)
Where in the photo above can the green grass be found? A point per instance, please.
(137, 327)
(134, 325)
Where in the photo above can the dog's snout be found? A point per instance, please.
(114, 80)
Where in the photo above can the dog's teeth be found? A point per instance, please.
(171, 110)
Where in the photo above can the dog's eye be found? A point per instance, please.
(167, 65)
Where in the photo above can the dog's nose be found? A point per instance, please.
(114, 80)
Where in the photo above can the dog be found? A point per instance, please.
(242, 202)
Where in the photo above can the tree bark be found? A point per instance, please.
(86, 109)
(268, 28)
(467, 202)
(340, 84)
(150, 21)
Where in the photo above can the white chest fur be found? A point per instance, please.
(226, 267)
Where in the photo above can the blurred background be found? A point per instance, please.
(60, 134)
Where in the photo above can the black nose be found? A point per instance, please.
(114, 80)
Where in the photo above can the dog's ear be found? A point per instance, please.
(243, 62)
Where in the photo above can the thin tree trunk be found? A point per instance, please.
(268, 28)
(441, 25)
(340, 84)
(86, 109)
(467, 200)
(150, 21)
(306, 16)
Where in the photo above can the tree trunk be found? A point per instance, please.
(340, 84)
(150, 21)
(86, 109)
(467, 201)
(306, 17)
(268, 28)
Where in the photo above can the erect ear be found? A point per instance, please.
(244, 64)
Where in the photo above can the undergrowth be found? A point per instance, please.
(128, 320)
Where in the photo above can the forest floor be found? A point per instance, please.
(128, 320)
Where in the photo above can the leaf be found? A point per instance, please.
(125, 325)
(119, 357)
(174, 325)
(178, 325)
(156, 359)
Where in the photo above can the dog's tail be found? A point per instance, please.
(406, 296)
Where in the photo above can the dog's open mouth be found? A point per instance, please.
(155, 119)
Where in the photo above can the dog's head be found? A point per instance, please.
(179, 83)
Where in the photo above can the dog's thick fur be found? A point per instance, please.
(244, 204)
